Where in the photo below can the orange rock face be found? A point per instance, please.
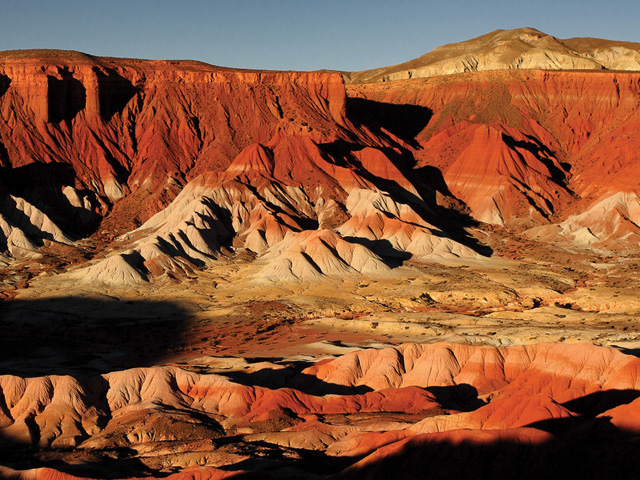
(142, 128)
(524, 145)
(109, 143)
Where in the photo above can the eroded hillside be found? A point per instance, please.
(211, 273)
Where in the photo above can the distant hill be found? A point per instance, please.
(522, 48)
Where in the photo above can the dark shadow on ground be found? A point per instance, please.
(629, 351)
(433, 202)
(431, 199)
(119, 463)
(4, 155)
(85, 335)
(305, 223)
(602, 456)
(275, 462)
(582, 447)
(114, 92)
(41, 185)
(446, 211)
(403, 121)
(291, 376)
(462, 397)
(599, 402)
(5, 82)
(389, 255)
(66, 97)
(558, 173)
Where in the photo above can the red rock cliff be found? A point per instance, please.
(145, 127)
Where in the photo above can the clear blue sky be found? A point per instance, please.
(295, 35)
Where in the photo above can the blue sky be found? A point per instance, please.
(295, 35)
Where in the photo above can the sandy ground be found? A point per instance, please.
(225, 312)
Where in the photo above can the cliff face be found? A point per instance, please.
(272, 154)
(525, 145)
(123, 126)
(269, 212)
(241, 159)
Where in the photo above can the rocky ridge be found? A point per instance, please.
(394, 171)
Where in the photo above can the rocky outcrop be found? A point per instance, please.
(24, 228)
(295, 208)
(191, 161)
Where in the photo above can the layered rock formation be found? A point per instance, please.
(454, 399)
(522, 148)
(137, 130)
(100, 146)
(279, 153)
(123, 177)
(24, 227)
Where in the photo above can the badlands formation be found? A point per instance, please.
(423, 271)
